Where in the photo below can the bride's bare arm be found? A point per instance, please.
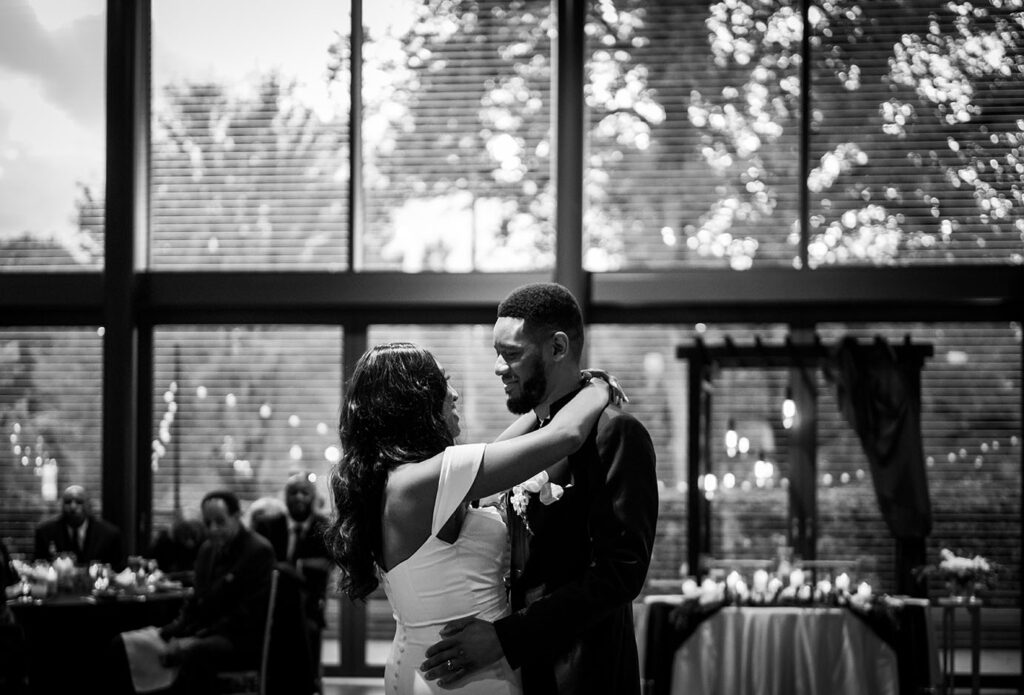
(412, 487)
(527, 422)
(511, 461)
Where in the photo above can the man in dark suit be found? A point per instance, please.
(221, 625)
(307, 552)
(77, 530)
(577, 562)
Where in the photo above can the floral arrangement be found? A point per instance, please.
(777, 589)
(539, 484)
(962, 574)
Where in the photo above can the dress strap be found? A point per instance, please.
(459, 467)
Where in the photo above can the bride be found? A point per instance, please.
(402, 494)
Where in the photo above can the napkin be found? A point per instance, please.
(143, 648)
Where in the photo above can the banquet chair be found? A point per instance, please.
(253, 681)
(285, 666)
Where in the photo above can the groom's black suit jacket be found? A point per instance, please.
(571, 630)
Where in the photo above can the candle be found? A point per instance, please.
(741, 589)
(843, 582)
(710, 591)
(760, 580)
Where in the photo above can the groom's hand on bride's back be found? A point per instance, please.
(466, 645)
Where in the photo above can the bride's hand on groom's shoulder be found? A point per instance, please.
(617, 395)
(467, 644)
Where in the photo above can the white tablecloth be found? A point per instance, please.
(784, 651)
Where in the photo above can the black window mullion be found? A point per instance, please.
(805, 135)
(569, 116)
(357, 217)
(126, 180)
(352, 627)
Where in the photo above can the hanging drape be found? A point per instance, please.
(879, 394)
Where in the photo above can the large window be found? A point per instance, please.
(51, 135)
(250, 162)
(971, 424)
(50, 381)
(906, 115)
(241, 407)
(701, 121)
(915, 142)
(695, 112)
(644, 358)
(252, 151)
(456, 135)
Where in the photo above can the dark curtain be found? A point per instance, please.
(879, 394)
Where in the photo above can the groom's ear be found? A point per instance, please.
(559, 346)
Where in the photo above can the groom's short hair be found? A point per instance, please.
(546, 307)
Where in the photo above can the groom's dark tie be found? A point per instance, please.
(520, 551)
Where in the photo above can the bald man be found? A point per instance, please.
(77, 530)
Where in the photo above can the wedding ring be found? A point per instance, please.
(450, 665)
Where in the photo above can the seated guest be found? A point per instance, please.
(13, 654)
(77, 530)
(8, 576)
(175, 548)
(307, 551)
(268, 517)
(221, 625)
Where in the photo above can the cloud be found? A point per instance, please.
(51, 115)
(66, 58)
(39, 197)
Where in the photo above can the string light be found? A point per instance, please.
(763, 469)
(731, 439)
(42, 464)
(788, 409)
(710, 485)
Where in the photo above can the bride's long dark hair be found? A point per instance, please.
(392, 413)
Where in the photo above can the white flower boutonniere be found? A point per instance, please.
(539, 484)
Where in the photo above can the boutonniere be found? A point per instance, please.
(539, 484)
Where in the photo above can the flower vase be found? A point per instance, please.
(961, 589)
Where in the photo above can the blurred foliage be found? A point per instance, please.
(916, 149)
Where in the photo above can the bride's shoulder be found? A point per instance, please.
(414, 475)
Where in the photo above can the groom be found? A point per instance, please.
(579, 561)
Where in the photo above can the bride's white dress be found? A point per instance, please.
(441, 582)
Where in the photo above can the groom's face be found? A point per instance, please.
(520, 365)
